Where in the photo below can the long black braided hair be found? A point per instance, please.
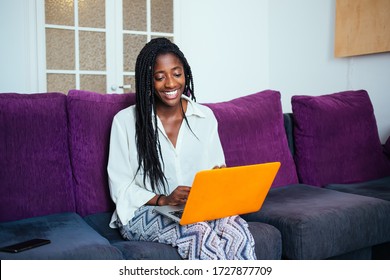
(148, 145)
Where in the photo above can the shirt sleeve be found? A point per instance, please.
(126, 194)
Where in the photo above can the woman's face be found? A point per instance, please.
(169, 79)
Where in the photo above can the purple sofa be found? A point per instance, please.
(53, 177)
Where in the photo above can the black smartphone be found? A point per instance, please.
(25, 245)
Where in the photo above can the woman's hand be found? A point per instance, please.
(177, 197)
(219, 166)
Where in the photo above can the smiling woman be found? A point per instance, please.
(161, 68)
(156, 148)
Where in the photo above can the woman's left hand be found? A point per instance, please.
(177, 197)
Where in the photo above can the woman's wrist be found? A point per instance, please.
(159, 200)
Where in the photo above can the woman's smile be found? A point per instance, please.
(172, 94)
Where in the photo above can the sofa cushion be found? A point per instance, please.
(132, 250)
(267, 239)
(35, 171)
(268, 246)
(251, 129)
(317, 223)
(100, 222)
(71, 238)
(90, 119)
(144, 250)
(336, 139)
(379, 188)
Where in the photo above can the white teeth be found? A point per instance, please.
(171, 92)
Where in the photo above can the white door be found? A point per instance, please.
(92, 44)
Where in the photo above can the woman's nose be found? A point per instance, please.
(170, 82)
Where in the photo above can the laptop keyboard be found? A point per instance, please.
(177, 213)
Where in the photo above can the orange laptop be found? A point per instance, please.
(224, 192)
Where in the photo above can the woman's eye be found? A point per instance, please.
(158, 78)
(178, 75)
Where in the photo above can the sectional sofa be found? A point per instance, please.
(330, 199)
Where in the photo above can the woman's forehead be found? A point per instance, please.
(167, 60)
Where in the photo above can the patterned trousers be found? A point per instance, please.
(223, 239)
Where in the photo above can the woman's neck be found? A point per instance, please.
(166, 112)
(172, 119)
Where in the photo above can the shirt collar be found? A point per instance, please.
(192, 109)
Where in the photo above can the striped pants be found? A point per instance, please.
(223, 239)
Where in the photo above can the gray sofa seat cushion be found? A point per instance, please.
(267, 239)
(131, 250)
(71, 238)
(319, 223)
(144, 250)
(379, 188)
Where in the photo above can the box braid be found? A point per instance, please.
(148, 145)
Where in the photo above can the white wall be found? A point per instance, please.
(235, 48)
(302, 60)
(18, 48)
(226, 44)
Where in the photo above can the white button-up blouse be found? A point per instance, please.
(197, 148)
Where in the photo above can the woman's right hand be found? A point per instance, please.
(177, 197)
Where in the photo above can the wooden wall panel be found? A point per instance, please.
(362, 27)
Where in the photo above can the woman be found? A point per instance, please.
(156, 148)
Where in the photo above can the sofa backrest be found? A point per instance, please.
(90, 119)
(251, 129)
(35, 171)
(54, 147)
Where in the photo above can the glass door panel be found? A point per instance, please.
(60, 82)
(59, 12)
(92, 13)
(60, 49)
(132, 44)
(162, 16)
(134, 15)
